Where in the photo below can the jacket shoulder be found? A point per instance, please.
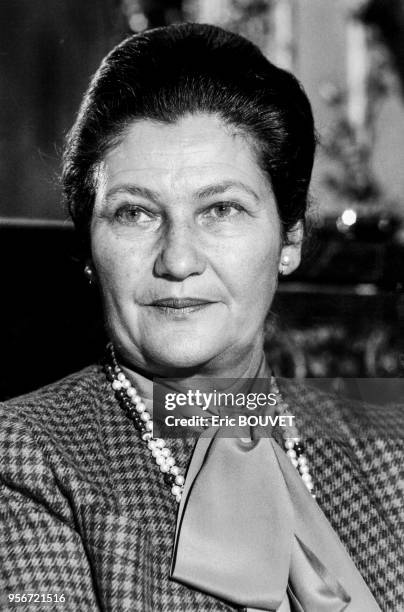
(51, 411)
(67, 391)
(356, 451)
(327, 414)
(52, 421)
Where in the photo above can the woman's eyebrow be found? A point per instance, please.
(135, 190)
(220, 188)
(204, 192)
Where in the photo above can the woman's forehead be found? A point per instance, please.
(195, 150)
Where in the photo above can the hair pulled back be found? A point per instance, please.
(166, 73)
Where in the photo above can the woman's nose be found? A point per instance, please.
(180, 254)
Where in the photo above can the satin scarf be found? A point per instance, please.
(249, 532)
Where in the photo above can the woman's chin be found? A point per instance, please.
(182, 345)
(185, 355)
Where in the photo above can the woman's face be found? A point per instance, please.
(183, 212)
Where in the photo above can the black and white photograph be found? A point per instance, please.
(202, 311)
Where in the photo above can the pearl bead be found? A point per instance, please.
(160, 443)
(306, 477)
(126, 384)
(179, 480)
(178, 498)
(151, 445)
(175, 470)
(294, 462)
(135, 399)
(146, 437)
(116, 385)
(145, 416)
(117, 369)
(149, 426)
(170, 461)
(131, 391)
(164, 468)
(291, 453)
(156, 452)
(176, 490)
(160, 460)
(304, 469)
(166, 452)
(310, 486)
(121, 376)
(302, 460)
(289, 444)
(140, 407)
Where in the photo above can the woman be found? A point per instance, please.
(186, 175)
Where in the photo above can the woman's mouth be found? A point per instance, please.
(178, 307)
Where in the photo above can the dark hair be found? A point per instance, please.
(165, 73)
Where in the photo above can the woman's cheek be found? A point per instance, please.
(259, 262)
(114, 263)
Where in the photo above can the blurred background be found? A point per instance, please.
(342, 313)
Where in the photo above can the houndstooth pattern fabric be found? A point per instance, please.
(84, 510)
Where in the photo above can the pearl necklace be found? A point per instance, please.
(135, 408)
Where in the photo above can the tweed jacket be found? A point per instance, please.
(84, 512)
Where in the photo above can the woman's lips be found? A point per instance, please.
(178, 307)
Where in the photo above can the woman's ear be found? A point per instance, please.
(291, 251)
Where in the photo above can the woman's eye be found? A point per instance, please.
(134, 215)
(224, 210)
